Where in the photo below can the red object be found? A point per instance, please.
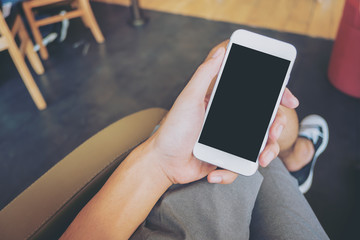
(344, 67)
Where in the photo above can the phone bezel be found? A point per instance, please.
(263, 44)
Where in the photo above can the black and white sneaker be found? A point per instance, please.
(314, 128)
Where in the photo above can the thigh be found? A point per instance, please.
(281, 211)
(201, 210)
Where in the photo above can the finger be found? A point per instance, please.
(270, 152)
(289, 100)
(212, 51)
(211, 86)
(278, 125)
(199, 83)
(222, 177)
(205, 168)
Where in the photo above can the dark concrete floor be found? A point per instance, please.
(148, 67)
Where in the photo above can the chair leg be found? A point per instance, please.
(32, 55)
(29, 48)
(90, 21)
(27, 78)
(75, 5)
(21, 66)
(35, 30)
(34, 58)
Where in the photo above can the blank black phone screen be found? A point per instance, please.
(244, 102)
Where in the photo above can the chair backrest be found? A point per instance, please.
(47, 207)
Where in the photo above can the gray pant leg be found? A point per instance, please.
(281, 211)
(202, 210)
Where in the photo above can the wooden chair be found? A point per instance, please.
(81, 9)
(7, 42)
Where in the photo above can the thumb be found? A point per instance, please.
(222, 176)
(199, 83)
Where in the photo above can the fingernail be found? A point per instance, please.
(295, 101)
(215, 179)
(278, 132)
(217, 53)
(269, 156)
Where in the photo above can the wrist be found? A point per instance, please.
(151, 160)
(125, 200)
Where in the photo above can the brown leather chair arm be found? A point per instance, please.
(47, 207)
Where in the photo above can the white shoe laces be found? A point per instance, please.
(311, 131)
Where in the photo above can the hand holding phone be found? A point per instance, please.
(244, 101)
(174, 141)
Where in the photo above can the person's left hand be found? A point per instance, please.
(173, 143)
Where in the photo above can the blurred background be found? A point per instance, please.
(85, 69)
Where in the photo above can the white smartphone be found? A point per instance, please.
(244, 101)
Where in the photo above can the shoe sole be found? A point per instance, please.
(315, 120)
